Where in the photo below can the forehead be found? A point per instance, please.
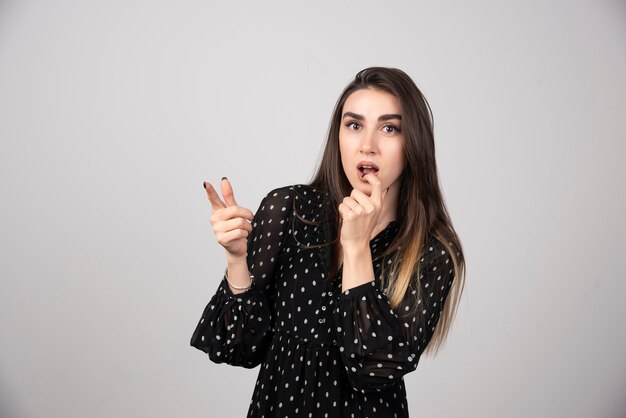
(372, 102)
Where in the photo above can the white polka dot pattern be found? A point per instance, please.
(323, 353)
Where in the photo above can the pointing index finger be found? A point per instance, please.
(227, 192)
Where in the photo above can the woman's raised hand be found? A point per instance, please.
(360, 213)
(229, 220)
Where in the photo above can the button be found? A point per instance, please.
(323, 308)
(322, 320)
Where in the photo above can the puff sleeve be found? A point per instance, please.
(379, 345)
(235, 328)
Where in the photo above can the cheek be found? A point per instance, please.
(398, 158)
(344, 150)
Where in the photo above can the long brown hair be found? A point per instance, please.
(422, 205)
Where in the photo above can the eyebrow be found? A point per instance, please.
(381, 118)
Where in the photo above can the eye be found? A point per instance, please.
(390, 128)
(353, 125)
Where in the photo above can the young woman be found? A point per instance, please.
(337, 287)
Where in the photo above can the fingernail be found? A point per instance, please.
(204, 185)
(224, 178)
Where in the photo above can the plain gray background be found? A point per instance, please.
(112, 113)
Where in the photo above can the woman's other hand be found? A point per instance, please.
(230, 222)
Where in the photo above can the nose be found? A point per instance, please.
(368, 142)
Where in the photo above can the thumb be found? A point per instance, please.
(227, 192)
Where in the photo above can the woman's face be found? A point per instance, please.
(371, 131)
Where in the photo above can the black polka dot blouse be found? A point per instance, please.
(322, 352)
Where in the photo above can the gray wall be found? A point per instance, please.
(112, 113)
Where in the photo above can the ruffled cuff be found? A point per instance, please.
(233, 329)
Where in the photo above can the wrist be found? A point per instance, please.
(233, 276)
(236, 260)
(237, 274)
(356, 250)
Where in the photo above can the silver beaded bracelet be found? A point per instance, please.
(235, 287)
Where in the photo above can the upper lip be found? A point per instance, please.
(362, 163)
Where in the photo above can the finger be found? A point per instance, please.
(227, 192)
(377, 188)
(214, 198)
(362, 200)
(352, 204)
(231, 224)
(231, 212)
(225, 238)
(345, 211)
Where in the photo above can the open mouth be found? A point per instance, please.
(366, 167)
